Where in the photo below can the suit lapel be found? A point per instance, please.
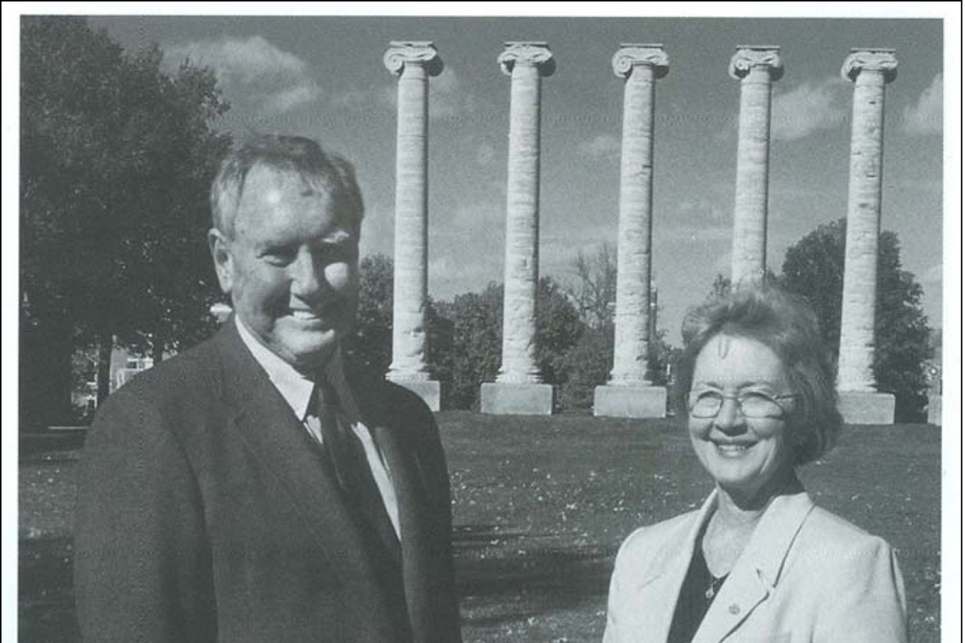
(272, 433)
(412, 493)
(758, 569)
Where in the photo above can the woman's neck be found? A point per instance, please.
(734, 520)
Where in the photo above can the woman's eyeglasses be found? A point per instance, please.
(754, 404)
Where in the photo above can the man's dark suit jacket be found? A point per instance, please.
(206, 513)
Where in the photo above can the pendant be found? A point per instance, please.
(709, 594)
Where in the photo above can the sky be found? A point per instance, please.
(323, 77)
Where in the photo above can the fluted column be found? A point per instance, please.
(414, 62)
(756, 67)
(870, 70)
(640, 66)
(526, 63)
(629, 392)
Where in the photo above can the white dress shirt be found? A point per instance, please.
(297, 389)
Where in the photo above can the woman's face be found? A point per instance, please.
(742, 453)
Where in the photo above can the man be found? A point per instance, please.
(258, 487)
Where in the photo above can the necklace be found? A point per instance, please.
(714, 587)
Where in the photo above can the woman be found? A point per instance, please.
(758, 561)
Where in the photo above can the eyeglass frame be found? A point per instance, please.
(740, 404)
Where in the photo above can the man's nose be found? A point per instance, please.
(307, 275)
(730, 415)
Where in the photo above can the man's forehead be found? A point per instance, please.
(270, 182)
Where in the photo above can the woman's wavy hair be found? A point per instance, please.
(786, 324)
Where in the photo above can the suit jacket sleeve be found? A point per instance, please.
(444, 620)
(141, 563)
(867, 605)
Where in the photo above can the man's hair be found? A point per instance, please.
(785, 324)
(322, 171)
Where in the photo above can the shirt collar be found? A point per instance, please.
(293, 386)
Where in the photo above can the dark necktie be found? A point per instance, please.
(346, 455)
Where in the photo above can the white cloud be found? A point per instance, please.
(252, 70)
(602, 146)
(808, 108)
(925, 116)
(448, 98)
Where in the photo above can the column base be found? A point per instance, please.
(935, 410)
(630, 401)
(428, 390)
(496, 398)
(866, 408)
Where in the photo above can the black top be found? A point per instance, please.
(697, 593)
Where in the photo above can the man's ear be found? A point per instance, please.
(223, 263)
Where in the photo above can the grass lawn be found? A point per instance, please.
(541, 505)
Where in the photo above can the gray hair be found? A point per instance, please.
(786, 324)
(323, 171)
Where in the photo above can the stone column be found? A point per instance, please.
(629, 392)
(869, 70)
(756, 67)
(518, 387)
(414, 62)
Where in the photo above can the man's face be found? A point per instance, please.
(291, 268)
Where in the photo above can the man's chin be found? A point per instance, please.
(309, 353)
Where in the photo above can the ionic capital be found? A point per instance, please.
(871, 59)
(756, 57)
(412, 52)
(631, 55)
(537, 54)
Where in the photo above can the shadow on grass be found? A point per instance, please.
(50, 445)
(507, 577)
(46, 603)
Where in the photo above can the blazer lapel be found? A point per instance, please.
(758, 569)
(270, 430)
(656, 597)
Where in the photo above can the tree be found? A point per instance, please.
(558, 329)
(372, 342)
(595, 289)
(476, 349)
(591, 360)
(814, 268)
(116, 160)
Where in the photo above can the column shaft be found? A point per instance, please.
(750, 199)
(857, 348)
(522, 229)
(410, 287)
(632, 316)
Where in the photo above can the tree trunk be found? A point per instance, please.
(106, 345)
(157, 348)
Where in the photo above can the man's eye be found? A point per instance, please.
(277, 257)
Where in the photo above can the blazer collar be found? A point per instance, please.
(758, 570)
(753, 578)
